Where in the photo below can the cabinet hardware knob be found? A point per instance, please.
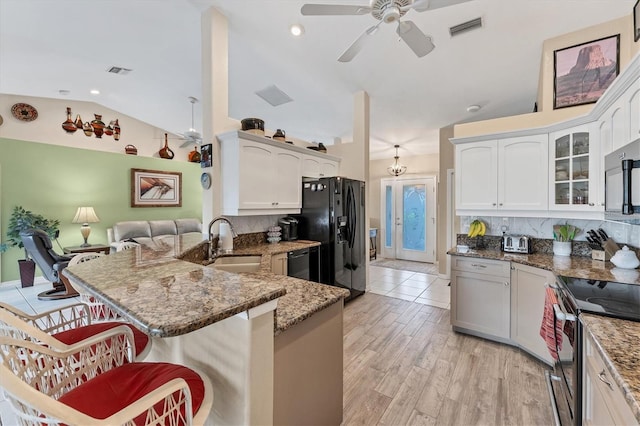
(506, 284)
(477, 265)
(493, 204)
(501, 204)
(602, 378)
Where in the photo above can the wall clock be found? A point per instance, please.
(24, 112)
(205, 180)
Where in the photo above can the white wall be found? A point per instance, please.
(47, 128)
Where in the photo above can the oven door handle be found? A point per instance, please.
(562, 316)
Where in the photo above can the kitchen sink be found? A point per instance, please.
(238, 264)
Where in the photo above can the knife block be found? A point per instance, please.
(600, 255)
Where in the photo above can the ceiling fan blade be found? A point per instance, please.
(334, 9)
(415, 39)
(357, 45)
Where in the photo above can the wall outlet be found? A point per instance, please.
(505, 224)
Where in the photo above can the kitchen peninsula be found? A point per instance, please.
(228, 325)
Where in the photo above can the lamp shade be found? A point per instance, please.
(85, 215)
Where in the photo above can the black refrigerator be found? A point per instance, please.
(333, 212)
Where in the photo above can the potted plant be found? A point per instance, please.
(563, 235)
(22, 220)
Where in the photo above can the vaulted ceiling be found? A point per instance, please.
(52, 45)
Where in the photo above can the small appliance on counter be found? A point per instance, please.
(289, 227)
(516, 244)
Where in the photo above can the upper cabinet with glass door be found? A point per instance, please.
(575, 170)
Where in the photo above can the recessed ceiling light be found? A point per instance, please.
(473, 108)
(297, 30)
(94, 92)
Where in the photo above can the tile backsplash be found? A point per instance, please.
(250, 224)
(621, 233)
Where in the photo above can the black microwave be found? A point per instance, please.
(622, 184)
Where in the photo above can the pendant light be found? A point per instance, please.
(396, 169)
(192, 133)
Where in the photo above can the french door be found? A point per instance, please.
(408, 218)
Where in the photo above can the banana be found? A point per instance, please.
(473, 229)
(477, 228)
(483, 228)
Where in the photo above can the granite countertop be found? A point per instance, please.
(618, 342)
(569, 266)
(147, 286)
(303, 298)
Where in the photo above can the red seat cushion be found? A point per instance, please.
(116, 389)
(75, 335)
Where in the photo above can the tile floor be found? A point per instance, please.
(412, 286)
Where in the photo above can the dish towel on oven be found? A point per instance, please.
(551, 328)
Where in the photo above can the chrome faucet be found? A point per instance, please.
(213, 251)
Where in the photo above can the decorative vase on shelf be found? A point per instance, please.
(116, 130)
(562, 248)
(194, 156)
(109, 129)
(98, 125)
(78, 122)
(88, 130)
(166, 152)
(68, 125)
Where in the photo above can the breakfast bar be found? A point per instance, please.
(222, 323)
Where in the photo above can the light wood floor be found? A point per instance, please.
(403, 365)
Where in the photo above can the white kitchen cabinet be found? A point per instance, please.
(527, 308)
(575, 178)
(505, 174)
(603, 402)
(476, 175)
(480, 297)
(316, 167)
(279, 264)
(632, 95)
(259, 178)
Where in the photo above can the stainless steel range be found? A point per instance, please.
(577, 296)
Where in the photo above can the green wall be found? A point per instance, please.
(54, 180)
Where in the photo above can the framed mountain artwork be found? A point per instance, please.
(583, 72)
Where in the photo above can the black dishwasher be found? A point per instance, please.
(304, 264)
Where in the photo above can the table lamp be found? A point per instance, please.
(85, 215)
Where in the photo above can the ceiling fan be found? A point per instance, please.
(387, 11)
(191, 136)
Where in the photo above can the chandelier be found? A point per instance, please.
(396, 169)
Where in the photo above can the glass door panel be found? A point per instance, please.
(414, 214)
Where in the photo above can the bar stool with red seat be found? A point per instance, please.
(94, 382)
(67, 325)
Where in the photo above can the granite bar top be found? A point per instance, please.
(303, 298)
(165, 296)
(618, 342)
(568, 266)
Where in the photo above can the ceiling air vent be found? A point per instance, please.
(119, 70)
(274, 96)
(465, 26)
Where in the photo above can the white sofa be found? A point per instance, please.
(144, 231)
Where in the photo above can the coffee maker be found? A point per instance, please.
(289, 227)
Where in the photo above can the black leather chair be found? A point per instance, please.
(38, 245)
